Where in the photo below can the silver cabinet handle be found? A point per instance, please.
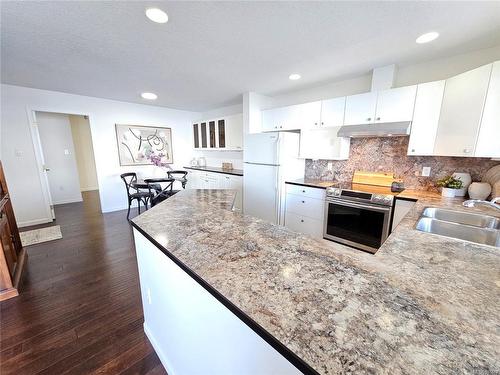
(322, 123)
(303, 191)
(301, 220)
(466, 150)
(369, 119)
(378, 118)
(412, 150)
(303, 201)
(315, 123)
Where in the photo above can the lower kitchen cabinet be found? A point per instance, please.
(211, 180)
(401, 208)
(304, 209)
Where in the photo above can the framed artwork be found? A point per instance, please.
(144, 145)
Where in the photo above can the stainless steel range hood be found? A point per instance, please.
(386, 129)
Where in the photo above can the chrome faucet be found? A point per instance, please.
(474, 202)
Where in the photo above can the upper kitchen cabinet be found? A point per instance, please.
(219, 134)
(323, 143)
(488, 144)
(461, 111)
(360, 109)
(292, 117)
(231, 136)
(395, 105)
(332, 112)
(426, 118)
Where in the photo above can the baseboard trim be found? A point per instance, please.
(64, 201)
(163, 359)
(29, 223)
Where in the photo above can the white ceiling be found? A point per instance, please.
(209, 53)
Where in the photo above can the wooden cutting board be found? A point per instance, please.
(373, 178)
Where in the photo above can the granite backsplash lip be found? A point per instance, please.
(421, 304)
(235, 172)
(389, 154)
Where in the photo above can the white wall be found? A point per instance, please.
(59, 155)
(18, 154)
(216, 158)
(84, 152)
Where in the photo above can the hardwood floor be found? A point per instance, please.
(80, 309)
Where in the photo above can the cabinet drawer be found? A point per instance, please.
(304, 225)
(305, 191)
(305, 206)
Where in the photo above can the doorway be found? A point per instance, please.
(66, 157)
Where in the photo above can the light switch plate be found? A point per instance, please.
(426, 171)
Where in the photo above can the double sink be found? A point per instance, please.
(478, 228)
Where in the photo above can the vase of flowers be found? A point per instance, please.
(449, 186)
(158, 159)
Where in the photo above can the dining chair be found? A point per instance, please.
(178, 176)
(160, 189)
(134, 193)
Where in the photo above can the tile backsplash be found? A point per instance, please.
(389, 155)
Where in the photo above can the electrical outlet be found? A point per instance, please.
(330, 166)
(66, 152)
(149, 296)
(426, 171)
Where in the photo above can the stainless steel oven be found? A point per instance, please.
(357, 219)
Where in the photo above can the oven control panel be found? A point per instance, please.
(359, 196)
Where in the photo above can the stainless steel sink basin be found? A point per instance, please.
(470, 233)
(460, 217)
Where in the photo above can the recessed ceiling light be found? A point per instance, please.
(427, 37)
(294, 76)
(149, 96)
(156, 15)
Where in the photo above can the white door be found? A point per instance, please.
(261, 191)
(332, 112)
(463, 103)
(42, 166)
(360, 109)
(426, 118)
(59, 154)
(488, 144)
(262, 148)
(395, 105)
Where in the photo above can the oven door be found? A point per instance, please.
(364, 226)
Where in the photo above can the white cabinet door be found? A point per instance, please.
(488, 142)
(304, 116)
(332, 112)
(272, 119)
(401, 208)
(193, 178)
(323, 144)
(292, 117)
(236, 183)
(395, 105)
(233, 132)
(426, 118)
(304, 224)
(360, 109)
(463, 103)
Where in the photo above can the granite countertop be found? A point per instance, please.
(422, 304)
(235, 172)
(312, 183)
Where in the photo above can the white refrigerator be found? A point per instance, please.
(270, 159)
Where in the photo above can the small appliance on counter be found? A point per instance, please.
(202, 162)
(193, 162)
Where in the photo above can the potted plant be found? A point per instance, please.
(449, 185)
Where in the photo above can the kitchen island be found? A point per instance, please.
(289, 303)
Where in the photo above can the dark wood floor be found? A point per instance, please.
(80, 309)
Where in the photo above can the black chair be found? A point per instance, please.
(134, 193)
(160, 189)
(178, 176)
